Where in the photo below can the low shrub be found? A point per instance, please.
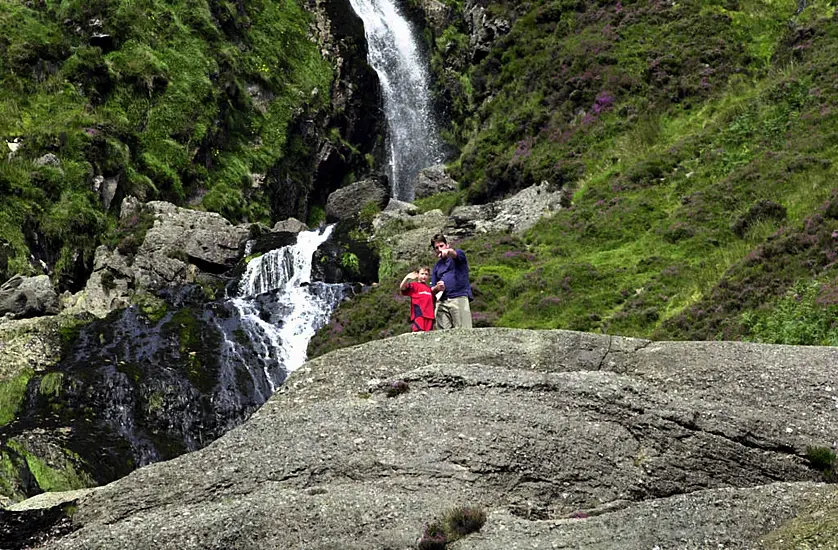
(397, 388)
(823, 460)
(454, 525)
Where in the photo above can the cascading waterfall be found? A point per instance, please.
(160, 386)
(281, 324)
(412, 139)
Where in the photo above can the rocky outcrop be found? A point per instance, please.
(433, 180)
(562, 438)
(206, 239)
(515, 214)
(22, 297)
(182, 246)
(483, 27)
(429, 13)
(30, 344)
(407, 239)
(291, 225)
(348, 201)
(405, 235)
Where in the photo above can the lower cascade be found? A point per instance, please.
(281, 309)
(151, 382)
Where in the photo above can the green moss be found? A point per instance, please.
(51, 384)
(187, 327)
(54, 477)
(12, 393)
(442, 201)
(152, 307)
(316, 216)
(154, 402)
(251, 257)
(198, 345)
(350, 262)
(814, 528)
(11, 466)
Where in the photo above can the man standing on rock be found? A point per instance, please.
(450, 283)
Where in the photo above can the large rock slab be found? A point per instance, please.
(182, 246)
(433, 180)
(567, 440)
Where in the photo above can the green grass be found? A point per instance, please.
(61, 475)
(189, 100)
(673, 141)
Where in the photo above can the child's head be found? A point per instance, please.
(424, 273)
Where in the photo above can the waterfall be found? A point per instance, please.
(280, 309)
(412, 138)
(199, 369)
(174, 372)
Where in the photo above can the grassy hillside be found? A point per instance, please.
(179, 100)
(699, 138)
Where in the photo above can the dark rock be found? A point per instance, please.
(5, 254)
(22, 297)
(272, 240)
(345, 259)
(30, 528)
(104, 41)
(348, 201)
(315, 164)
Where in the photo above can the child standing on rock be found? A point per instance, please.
(421, 298)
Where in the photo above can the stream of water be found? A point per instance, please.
(412, 136)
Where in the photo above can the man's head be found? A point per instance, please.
(438, 244)
(424, 274)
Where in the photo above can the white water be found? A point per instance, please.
(281, 309)
(412, 138)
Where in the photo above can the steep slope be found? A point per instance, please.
(221, 105)
(698, 139)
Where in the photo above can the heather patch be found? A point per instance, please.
(703, 169)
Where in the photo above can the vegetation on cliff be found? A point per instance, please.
(698, 138)
(183, 101)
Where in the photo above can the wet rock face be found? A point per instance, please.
(562, 438)
(355, 113)
(143, 384)
(344, 258)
